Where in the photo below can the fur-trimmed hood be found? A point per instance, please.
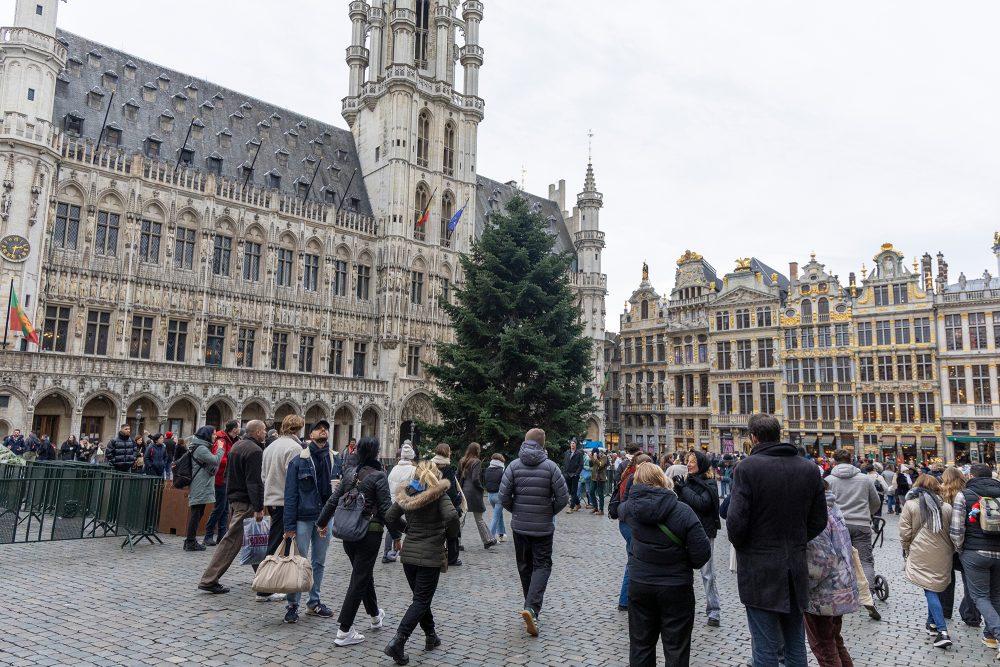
(410, 499)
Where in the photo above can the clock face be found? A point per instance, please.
(15, 248)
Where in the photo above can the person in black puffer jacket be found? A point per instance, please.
(120, 451)
(974, 546)
(494, 473)
(372, 483)
(430, 514)
(668, 543)
(700, 492)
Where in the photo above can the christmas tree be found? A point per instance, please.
(519, 359)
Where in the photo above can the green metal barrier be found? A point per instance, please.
(68, 500)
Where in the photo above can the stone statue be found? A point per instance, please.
(996, 240)
(5, 203)
(645, 272)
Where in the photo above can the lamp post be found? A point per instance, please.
(138, 421)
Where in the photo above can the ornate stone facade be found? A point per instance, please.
(197, 255)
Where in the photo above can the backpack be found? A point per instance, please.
(183, 470)
(989, 514)
(349, 521)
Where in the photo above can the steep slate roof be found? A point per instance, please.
(221, 110)
(973, 285)
(493, 196)
(766, 271)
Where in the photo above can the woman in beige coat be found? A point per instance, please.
(927, 548)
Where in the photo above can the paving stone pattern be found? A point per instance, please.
(85, 602)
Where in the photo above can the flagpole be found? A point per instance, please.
(6, 326)
(451, 231)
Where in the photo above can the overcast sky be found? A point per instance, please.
(768, 128)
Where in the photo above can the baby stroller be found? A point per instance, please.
(879, 587)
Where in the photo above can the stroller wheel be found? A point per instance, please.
(880, 588)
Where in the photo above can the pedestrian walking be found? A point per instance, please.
(171, 445)
(245, 493)
(31, 444)
(442, 459)
(219, 518)
(776, 506)
(572, 469)
(204, 463)
(429, 515)
(155, 459)
(952, 492)
(274, 469)
(700, 492)
(927, 548)
(70, 449)
(370, 480)
(599, 471)
(889, 475)
(904, 478)
(668, 542)
(308, 486)
(726, 476)
(533, 490)
(120, 452)
(470, 478)
(977, 541)
(833, 589)
(400, 475)
(858, 500)
(632, 459)
(494, 473)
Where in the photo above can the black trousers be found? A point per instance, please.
(423, 582)
(660, 612)
(573, 482)
(274, 536)
(195, 512)
(534, 565)
(361, 588)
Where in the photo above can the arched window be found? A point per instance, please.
(823, 309)
(807, 311)
(644, 307)
(423, 138)
(449, 149)
(419, 206)
(420, 43)
(447, 210)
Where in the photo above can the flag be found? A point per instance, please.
(453, 223)
(427, 212)
(19, 320)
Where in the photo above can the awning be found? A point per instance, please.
(928, 442)
(826, 440)
(888, 442)
(908, 440)
(973, 438)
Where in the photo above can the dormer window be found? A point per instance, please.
(95, 98)
(110, 80)
(329, 195)
(197, 129)
(273, 180)
(246, 173)
(149, 92)
(292, 138)
(180, 100)
(74, 65)
(192, 91)
(167, 121)
(152, 146)
(94, 58)
(163, 82)
(73, 123)
(281, 157)
(214, 164)
(187, 157)
(130, 68)
(131, 109)
(225, 138)
(113, 135)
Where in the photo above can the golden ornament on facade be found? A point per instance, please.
(689, 256)
(743, 264)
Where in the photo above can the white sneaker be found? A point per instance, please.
(348, 638)
(273, 597)
(501, 538)
(377, 620)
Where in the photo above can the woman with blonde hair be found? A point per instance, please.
(668, 543)
(928, 549)
(429, 516)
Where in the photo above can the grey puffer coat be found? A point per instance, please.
(533, 490)
(430, 514)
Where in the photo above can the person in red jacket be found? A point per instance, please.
(219, 518)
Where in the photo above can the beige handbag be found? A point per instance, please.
(289, 573)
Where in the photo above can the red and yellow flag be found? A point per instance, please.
(19, 320)
(427, 211)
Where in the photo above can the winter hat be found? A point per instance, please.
(169, 434)
(406, 452)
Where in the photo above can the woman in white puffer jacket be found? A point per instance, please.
(400, 475)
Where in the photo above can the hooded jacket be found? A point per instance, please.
(855, 493)
(833, 585)
(154, 459)
(533, 490)
(702, 495)
(975, 538)
(307, 485)
(494, 473)
(430, 515)
(16, 444)
(203, 466)
(400, 476)
(120, 452)
(777, 506)
(654, 558)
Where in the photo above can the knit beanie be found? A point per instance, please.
(406, 452)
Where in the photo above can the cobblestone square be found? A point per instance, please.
(86, 603)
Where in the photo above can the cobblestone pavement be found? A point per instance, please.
(85, 602)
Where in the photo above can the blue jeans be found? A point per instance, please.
(589, 484)
(496, 524)
(935, 612)
(724, 484)
(982, 574)
(890, 501)
(306, 536)
(769, 631)
(626, 532)
(712, 606)
(218, 520)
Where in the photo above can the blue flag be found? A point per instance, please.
(453, 223)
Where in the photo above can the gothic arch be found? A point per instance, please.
(350, 408)
(226, 225)
(17, 393)
(315, 244)
(188, 216)
(73, 192)
(225, 400)
(54, 391)
(111, 200)
(288, 404)
(259, 401)
(190, 398)
(155, 211)
(107, 395)
(140, 395)
(417, 406)
(255, 232)
(342, 251)
(323, 406)
(288, 239)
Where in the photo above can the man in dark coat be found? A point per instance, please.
(171, 446)
(533, 491)
(776, 507)
(572, 467)
(121, 451)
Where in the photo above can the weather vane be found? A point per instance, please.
(524, 172)
(590, 146)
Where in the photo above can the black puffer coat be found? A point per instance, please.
(533, 491)
(702, 495)
(373, 484)
(430, 515)
(654, 558)
(120, 452)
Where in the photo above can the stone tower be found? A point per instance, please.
(591, 285)
(30, 61)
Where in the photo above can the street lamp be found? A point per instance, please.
(138, 421)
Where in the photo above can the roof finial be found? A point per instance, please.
(590, 146)
(524, 173)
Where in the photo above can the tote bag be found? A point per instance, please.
(288, 573)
